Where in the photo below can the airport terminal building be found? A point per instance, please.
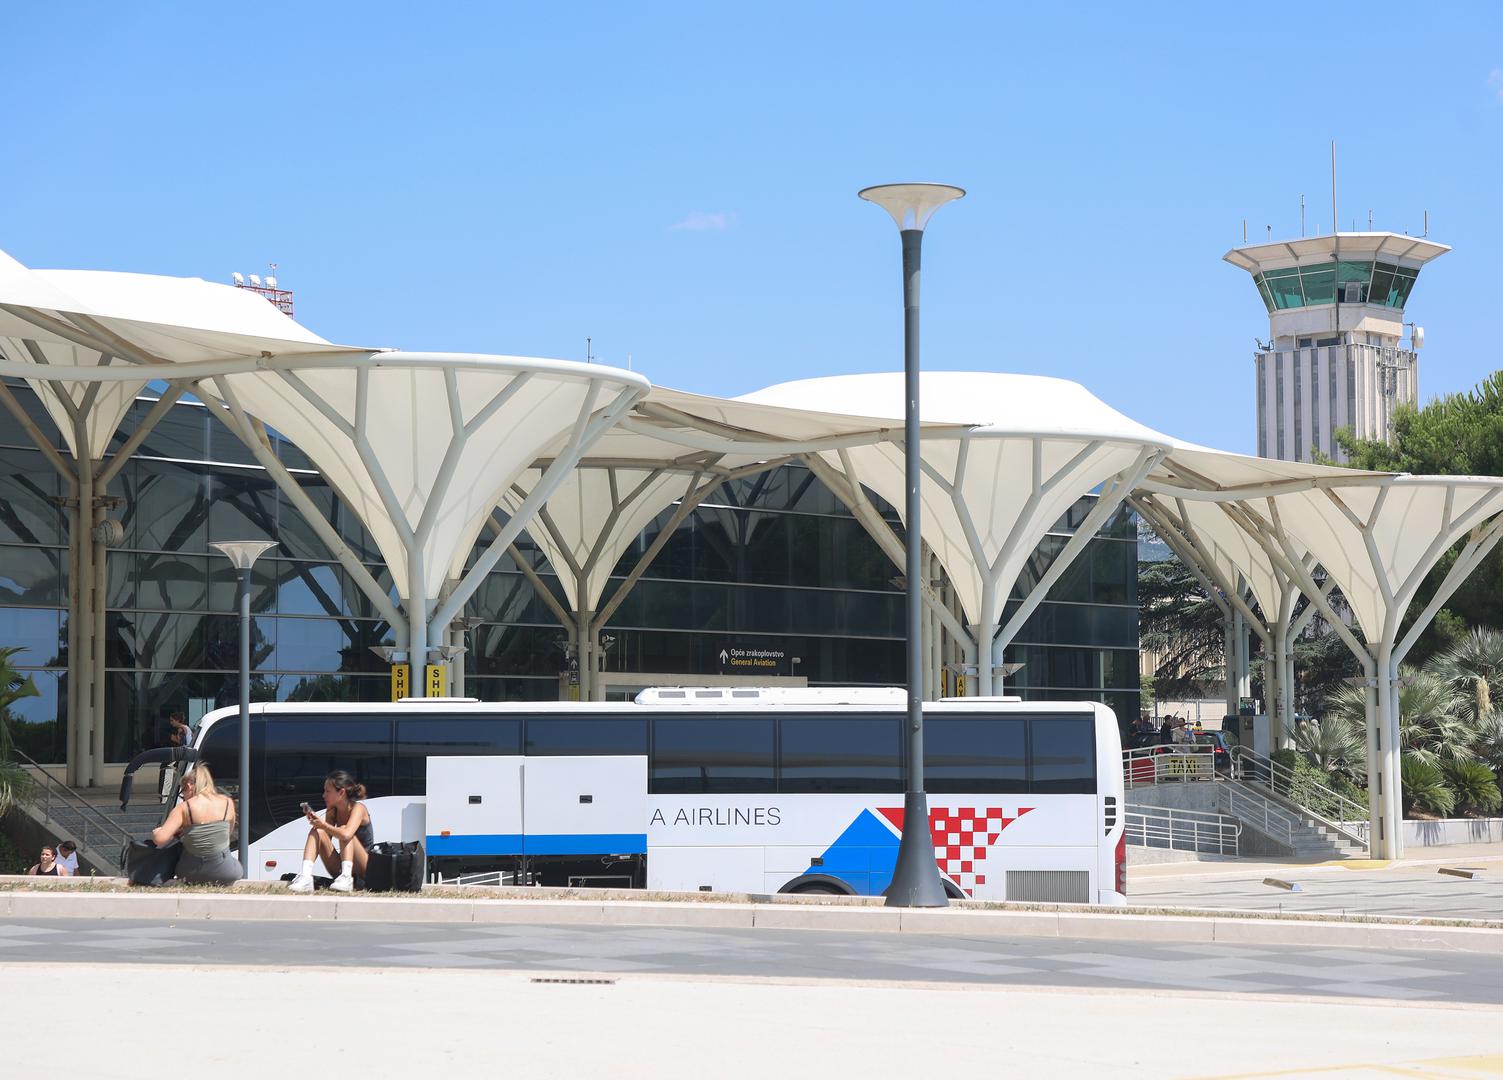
(772, 565)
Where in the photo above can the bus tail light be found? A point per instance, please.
(1122, 863)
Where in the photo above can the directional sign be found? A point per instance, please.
(433, 680)
(401, 681)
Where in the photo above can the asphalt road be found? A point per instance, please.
(607, 951)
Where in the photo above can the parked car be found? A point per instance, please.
(1221, 752)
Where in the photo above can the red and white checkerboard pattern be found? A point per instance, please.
(962, 836)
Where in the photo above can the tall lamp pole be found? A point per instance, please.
(242, 555)
(915, 879)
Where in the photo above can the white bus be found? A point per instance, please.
(726, 790)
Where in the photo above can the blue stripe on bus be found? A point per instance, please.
(517, 844)
(588, 844)
(476, 844)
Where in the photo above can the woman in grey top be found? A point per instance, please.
(204, 820)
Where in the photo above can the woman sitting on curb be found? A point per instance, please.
(204, 820)
(341, 838)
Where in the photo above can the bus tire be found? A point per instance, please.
(817, 885)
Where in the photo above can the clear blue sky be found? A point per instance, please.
(679, 183)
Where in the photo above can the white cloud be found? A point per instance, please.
(1495, 80)
(704, 221)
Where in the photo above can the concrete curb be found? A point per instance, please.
(1104, 926)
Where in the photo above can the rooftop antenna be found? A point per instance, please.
(1244, 230)
(1302, 215)
(1369, 221)
(589, 352)
(1334, 226)
(1270, 232)
(628, 361)
(1426, 233)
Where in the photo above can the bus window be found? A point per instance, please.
(301, 751)
(1063, 754)
(220, 751)
(586, 735)
(712, 755)
(981, 754)
(448, 736)
(840, 753)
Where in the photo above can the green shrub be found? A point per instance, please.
(1425, 786)
(11, 859)
(1475, 785)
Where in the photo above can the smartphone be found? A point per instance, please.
(306, 808)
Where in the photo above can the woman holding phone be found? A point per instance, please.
(341, 839)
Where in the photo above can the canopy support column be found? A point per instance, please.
(229, 412)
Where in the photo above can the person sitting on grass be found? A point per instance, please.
(341, 839)
(205, 822)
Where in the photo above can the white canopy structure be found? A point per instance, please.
(673, 448)
(426, 448)
(1030, 447)
(421, 446)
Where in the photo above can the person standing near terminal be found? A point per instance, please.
(341, 839)
(67, 857)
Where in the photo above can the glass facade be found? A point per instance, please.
(1325, 283)
(772, 561)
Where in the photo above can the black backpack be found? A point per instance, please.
(395, 867)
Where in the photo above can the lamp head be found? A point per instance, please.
(243, 553)
(911, 205)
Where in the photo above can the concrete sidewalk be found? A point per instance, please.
(661, 1027)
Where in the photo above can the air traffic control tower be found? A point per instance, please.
(1335, 319)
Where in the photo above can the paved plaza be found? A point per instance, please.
(1411, 888)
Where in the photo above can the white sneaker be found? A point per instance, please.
(343, 883)
(301, 883)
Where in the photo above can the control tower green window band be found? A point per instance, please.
(1322, 283)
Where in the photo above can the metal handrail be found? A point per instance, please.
(1193, 830)
(1168, 763)
(1272, 820)
(1329, 807)
(88, 813)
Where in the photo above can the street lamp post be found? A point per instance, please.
(242, 555)
(915, 879)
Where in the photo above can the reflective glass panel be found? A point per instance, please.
(1320, 285)
(711, 754)
(840, 753)
(1063, 754)
(982, 754)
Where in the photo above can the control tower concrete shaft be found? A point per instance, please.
(1335, 319)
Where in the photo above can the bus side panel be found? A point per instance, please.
(474, 806)
(784, 834)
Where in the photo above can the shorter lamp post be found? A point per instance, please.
(242, 555)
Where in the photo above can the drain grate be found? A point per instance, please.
(579, 982)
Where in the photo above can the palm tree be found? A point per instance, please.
(1333, 744)
(14, 780)
(1432, 729)
(1475, 665)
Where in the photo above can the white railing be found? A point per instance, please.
(1167, 764)
(1183, 830)
(1327, 806)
